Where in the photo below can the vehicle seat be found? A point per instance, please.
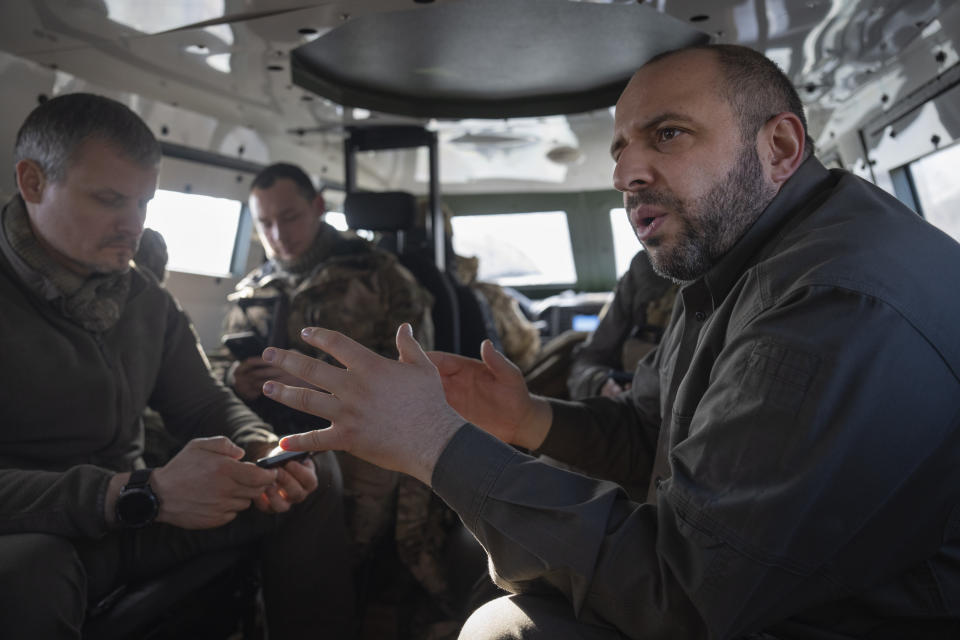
(212, 596)
(394, 214)
(477, 322)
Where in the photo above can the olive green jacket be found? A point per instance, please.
(798, 429)
(72, 401)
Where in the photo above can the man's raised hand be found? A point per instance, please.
(493, 395)
(392, 413)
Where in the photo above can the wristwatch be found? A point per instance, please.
(137, 504)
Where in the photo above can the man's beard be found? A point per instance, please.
(117, 242)
(711, 224)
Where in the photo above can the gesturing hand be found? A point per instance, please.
(493, 395)
(388, 412)
(249, 376)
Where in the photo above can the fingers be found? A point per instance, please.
(319, 440)
(266, 372)
(291, 487)
(250, 478)
(236, 505)
(448, 363)
(217, 444)
(298, 479)
(496, 361)
(317, 403)
(312, 370)
(295, 481)
(259, 377)
(407, 346)
(262, 502)
(440, 359)
(348, 352)
(277, 500)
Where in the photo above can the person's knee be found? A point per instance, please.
(42, 585)
(498, 619)
(523, 617)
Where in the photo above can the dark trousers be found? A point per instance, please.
(48, 582)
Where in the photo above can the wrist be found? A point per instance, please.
(136, 505)
(533, 431)
(160, 489)
(442, 432)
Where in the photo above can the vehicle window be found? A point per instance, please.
(200, 231)
(625, 243)
(938, 190)
(336, 219)
(517, 249)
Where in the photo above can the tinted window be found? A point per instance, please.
(517, 249)
(938, 190)
(200, 231)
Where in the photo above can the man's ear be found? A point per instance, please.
(30, 180)
(781, 146)
(319, 205)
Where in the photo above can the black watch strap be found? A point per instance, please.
(138, 478)
(137, 505)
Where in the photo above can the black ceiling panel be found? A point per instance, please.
(487, 58)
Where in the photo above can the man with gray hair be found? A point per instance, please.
(89, 342)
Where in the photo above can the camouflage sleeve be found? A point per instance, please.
(520, 338)
(651, 295)
(643, 300)
(408, 302)
(365, 296)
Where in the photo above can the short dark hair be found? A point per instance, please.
(152, 253)
(754, 86)
(52, 133)
(281, 170)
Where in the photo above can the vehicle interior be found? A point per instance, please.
(495, 114)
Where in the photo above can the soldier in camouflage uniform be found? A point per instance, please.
(519, 338)
(631, 325)
(316, 276)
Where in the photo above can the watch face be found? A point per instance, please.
(136, 507)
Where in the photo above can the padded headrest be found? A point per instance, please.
(381, 211)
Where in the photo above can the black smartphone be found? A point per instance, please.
(244, 344)
(278, 459)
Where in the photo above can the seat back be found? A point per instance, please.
(394, 214)
(476, 322)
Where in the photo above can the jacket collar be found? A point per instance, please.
(795, 198)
